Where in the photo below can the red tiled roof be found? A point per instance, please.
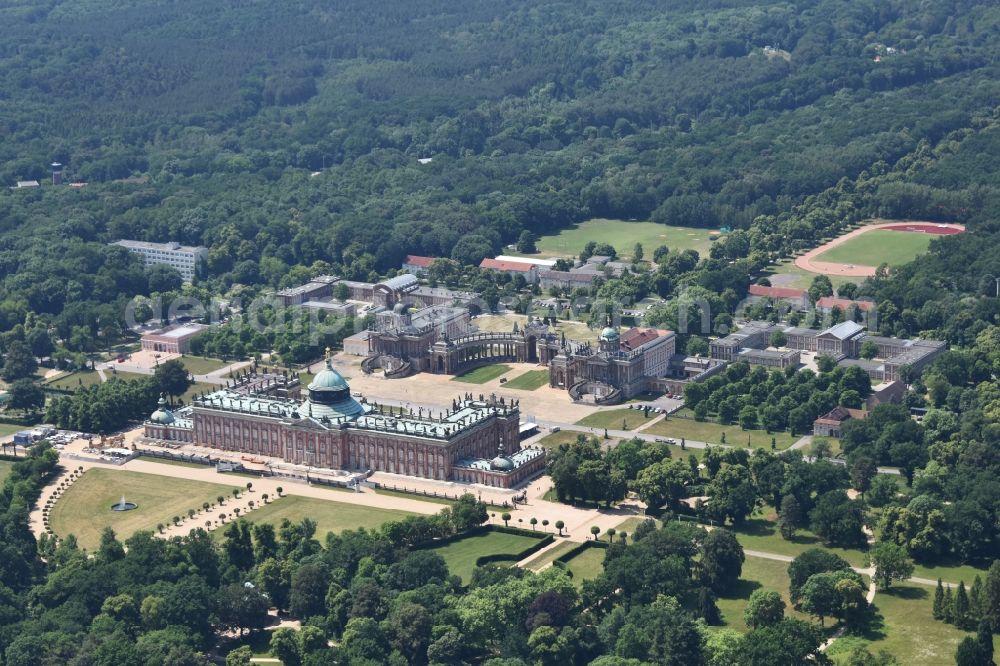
(634, 337)
(415, 260)
(776, 292)
(843, 303)
(496, 265)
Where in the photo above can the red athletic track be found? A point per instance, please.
(924, 228)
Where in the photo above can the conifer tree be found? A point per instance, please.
(938, 608)
(961, 606)
(991, 597)
(976, 600)
(948, 608)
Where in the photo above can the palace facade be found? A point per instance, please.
(330, 429)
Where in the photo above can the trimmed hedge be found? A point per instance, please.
(444, 541)
(515, 557)
(579, 548)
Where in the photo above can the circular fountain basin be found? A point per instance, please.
(123, 506)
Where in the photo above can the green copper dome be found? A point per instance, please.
(328, 379)
(162, 415)
(330, 397)
(609, 333)
(502, 464)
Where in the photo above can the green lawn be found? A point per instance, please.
(5, 466)
(482, 375)
(8, 429)
(85, 509)
(196, 388)
(529, 381)
(908, 630)
(200, 365)
(329, 514)
(461, 554)
(879, 246)
(706, 431)
(587, 565)
(554, 439)
(73, 381)
(760, 533)
(623, 236)
(551, 555)
(758, 573)
(617, 419)
(950, 573)
(629, 525)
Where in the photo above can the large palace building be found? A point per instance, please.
(331, 429)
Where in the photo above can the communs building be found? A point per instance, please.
(173, 339)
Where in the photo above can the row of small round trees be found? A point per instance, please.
(220, 501)
(560, 525)
(63, 486)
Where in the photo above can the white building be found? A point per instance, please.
(182, 257)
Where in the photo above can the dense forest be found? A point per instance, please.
(286, 136)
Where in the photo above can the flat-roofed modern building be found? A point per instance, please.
(184, 258)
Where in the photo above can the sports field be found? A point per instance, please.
(330, 515)
(461, 555)
(623, 236)
(879, 246)
(85, 509)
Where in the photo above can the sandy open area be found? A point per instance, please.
(438, 391)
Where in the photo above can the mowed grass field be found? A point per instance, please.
(461, 554)
(586, 565)
(706, 431)
(529, 381)
(482, 375)
(879, 246)
(623, 235)
(551, 555)
(554, 439)
(201, 365)
(85, 509)
(330, 515)
(75, 380)
(8, 429)
(761, 533)
(758, 573)
(909, 631)
(617, 419)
